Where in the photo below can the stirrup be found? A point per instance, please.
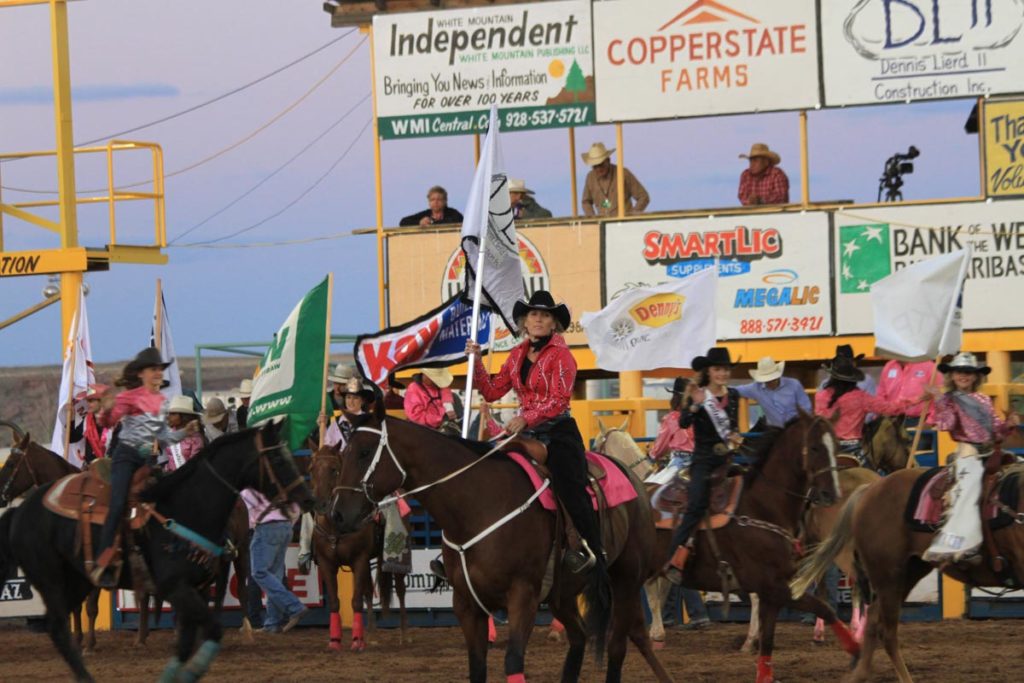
(437, 569)
(579, 561)
(107, 569)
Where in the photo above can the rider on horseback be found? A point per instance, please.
(141, 411)
(968, 416)
(712, 409)
(542, 372)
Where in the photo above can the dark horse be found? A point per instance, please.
(487, 504)
(199, 498)
(888, 553)
(333, 549)
(797, 469)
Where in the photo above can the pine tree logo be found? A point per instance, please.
(863, 257)
(575, 82)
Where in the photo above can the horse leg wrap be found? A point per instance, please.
(358, 641)
(335, 643)
(557, 626)
(492, 632)
(819, 630)
(764, 669)
(516, 678)
(200, 663)
(846, 639)
(862, 622)
(170, 671)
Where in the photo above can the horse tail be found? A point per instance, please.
(598, 598)
(7, 559)
(814, 566)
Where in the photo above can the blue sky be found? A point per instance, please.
(135, 61)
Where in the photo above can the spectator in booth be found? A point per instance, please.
(780, 398)
(600, 190)
(95, 436)
(763, 182)
(244, 396)
(180, 412)
(429, 400)
(438, 212)
(524, 206)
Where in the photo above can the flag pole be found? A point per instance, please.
(482, 430)
(76, 327)
(327, 359)
(912, 459)
(158, 331)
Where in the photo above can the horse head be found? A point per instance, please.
(324, 470)
(369, 472)
(818, 457)
(275, 476)
(888, 447)
(619, 444)
(29, 465)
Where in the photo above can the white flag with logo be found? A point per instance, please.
(76, 376)
(655, 327)
(172, 374)
(489, 209)
(918, 310)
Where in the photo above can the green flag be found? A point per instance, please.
(290, 378)
(863, 257)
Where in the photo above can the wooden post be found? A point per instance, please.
(327, 358)
(572, 173)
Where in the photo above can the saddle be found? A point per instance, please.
(87, 495)
(672, 498)
(538, 452)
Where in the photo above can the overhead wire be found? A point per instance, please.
(295, 201)
(260, 245)
(224, 150)
(272, 173)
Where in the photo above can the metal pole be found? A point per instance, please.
(805, 180)
(620, 174)
(981, 147)
(34, 308)
(572, 173)
(327, 360)
(382, 285)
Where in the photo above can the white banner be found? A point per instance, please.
(172, 375)
(655, 327)
(76, 376)
(901, 50)
(670, 58)
(773, 271)
(872, 243)
(438, 73)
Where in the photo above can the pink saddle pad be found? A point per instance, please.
(616, 485)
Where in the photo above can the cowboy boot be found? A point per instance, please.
(107, 569)
(674, 570)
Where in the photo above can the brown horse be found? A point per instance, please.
(889, 554)
(887, 443)
(500, 542)
(355, 549)
(759, 542)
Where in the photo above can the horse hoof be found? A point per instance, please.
(818, 641)
(658, 644)
(334, 645)
(358, 645)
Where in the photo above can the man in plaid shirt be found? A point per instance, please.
(763, 182)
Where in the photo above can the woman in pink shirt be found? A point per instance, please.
(841, 393)
(429, 400)
(180, 412)
(673, 442)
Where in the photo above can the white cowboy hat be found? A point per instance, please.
(767, 370)
(759, 149)
(245, 389)
(517, 185)
(596, 154)
(343, 372)
(182, 404)
(215, 410)
(965, 362)
(442, 377)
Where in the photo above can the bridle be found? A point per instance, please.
(22, 460)
(602, 443)
(805, 451)
(280, 498)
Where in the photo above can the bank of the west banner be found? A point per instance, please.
(774, 270)
(438, 73)
(668, 58)
(903, 50)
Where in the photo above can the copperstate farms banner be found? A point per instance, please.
(670, 58)
(290, 378)
(438, 73)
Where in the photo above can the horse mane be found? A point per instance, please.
(169, 482)
(476, 447)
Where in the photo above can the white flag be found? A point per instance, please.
(172, 375)
(490, 210)
(918, 310)
(75, 379)
(655, 327)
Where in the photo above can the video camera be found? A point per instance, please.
(892, 174)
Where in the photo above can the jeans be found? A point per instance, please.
(269, 544)
(699, 495)
(254, 598)
(125, 461)
(695, 606)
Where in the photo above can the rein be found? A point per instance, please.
(24, 459)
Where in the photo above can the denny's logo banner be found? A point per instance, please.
(671, 58)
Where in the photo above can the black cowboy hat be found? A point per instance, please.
(541, 300)
(965, 362)
(679, 386)
(844, 368)
(148, 357)
(843, 351)
(717, 355)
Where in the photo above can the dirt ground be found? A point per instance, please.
(936, 652)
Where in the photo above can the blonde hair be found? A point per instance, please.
(948, 385)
